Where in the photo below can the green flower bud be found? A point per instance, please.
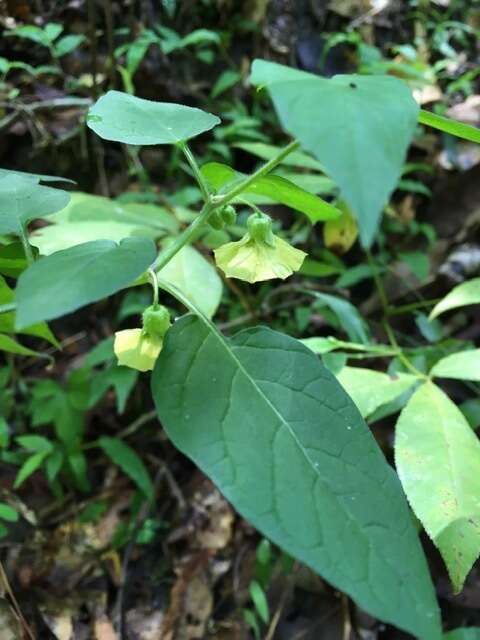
(156, 321)
(216, 221)
(229, 215)
(260, 228)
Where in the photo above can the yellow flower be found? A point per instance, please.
(136, 349)
(259, 255)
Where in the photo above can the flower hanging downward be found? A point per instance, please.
(139, 348)
(260, 254)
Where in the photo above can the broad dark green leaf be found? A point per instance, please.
(22, 199)
(124, 118)
(275, 188)
(358, 127)
(65, 281)
(287, 446)
(126, 458)
(438, 460)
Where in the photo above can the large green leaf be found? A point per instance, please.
(196, 278)
(460, 296)
(124, 118)
(65, 281)
(57, 237)
(358, 127)
(464, 365)
(275, 431)
(275, 188)
(372, 389)
(22, 199)
(438, 460)
(85, 207)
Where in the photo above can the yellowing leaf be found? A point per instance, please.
(340, 235)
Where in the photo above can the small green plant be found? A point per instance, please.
(258, 412)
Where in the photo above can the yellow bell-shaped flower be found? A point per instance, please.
(259, 255)
(136, 349)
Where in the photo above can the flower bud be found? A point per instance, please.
(260, 228)
(228, 214)
(215, 220)
(156, 321)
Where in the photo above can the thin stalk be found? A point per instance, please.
(378, 283)
(401, 356)
(26, 245)
(196, 171)
(266, 168)
(154, 283)
(406, 308)
(184, 238)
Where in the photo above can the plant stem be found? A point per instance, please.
(266, 168)
(214, 202)
(26, 246)
(184, 238)
(196, 170)
(154, 283)
(401, 356)
(406, 308)
(378, 282)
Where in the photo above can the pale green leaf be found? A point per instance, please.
(196, 278)
(259, 599)
(126, 458)
(358, 127)
(124, 118)
(8, 513)
(22, 199)
(372, 389)
(290, 451)
(464, 365)
(10, 345)
(275, 188)
(438, 460)
(29, 467)
(460, 296)
(65, 281)
(465, 633)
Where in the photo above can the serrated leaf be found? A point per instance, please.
(196, 278)
(22, 199)
(288, 448)
(275, 188)
(464, 365)
(124, 118)
(126, 458)
(67, 280)
(372, 389)
(438, 460)
(460, 296)
(358, 127)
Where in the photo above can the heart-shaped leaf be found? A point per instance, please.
(280, 437)
(358, 127)
(67, 280)
(438, 460)
(124, 118)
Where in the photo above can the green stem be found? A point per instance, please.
(184, 238)
(266, 168)
(196, 170)
(406, 308)
(401, 356)
(26, 246)
(378, 282)
(214, 202)
(154, 283)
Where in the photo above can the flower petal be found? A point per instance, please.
(136, 350)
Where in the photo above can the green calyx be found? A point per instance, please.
(222, 217)
(156, 321)
(259, 228)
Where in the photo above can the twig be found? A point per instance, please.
(8, 589)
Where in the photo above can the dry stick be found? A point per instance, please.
(107, 8)
(18, 611)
